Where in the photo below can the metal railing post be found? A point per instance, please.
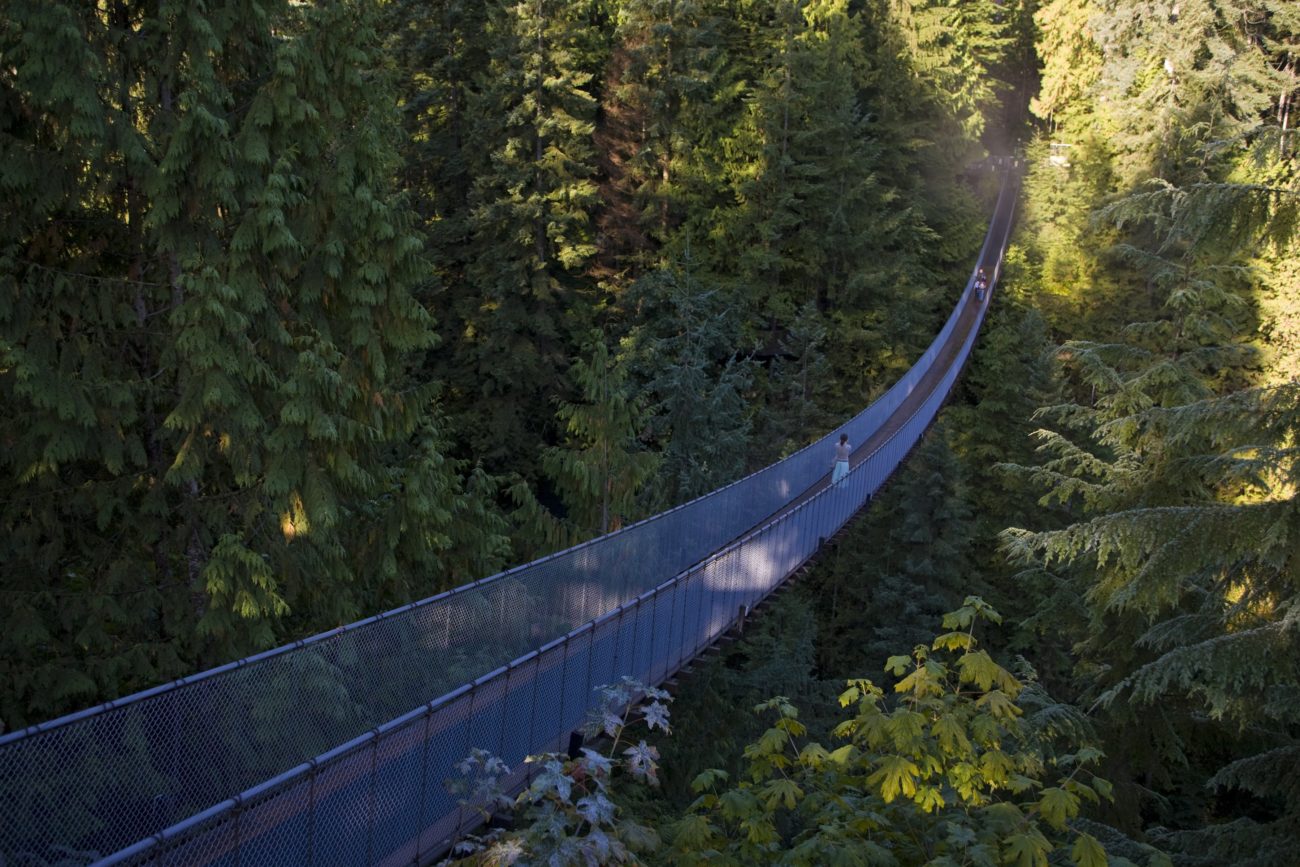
(424, 782)
(311, 814)
(370, 815)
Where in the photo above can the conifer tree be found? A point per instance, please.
(662, 71)
(1071, 58)
(441, 56)
(1177, 470)
(918, 230)
(715, 66)
(527, 296)
(802, 160)
(1162, 91)
(1073, 287)
(908, 562)
(601, 466)
(686, 350)
(991, 414)
(955, 45)
(1188, 551)
(208, 309)
(796, 386)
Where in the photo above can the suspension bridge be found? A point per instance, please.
(335, 750)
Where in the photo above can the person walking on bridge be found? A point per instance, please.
(842, 452)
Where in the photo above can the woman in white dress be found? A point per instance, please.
(842, 452)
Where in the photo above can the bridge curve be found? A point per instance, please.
(331, 742)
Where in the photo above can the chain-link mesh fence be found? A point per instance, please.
(637, 602)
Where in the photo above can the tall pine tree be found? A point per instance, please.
(601, 465)
(207, 305)
(685, 350)
(527, 298)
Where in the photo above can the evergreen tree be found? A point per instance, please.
(922, 228)
(1009, 377)
(716, 69)
(1165, 80)
(526, 295)
(1189, 556)
(208, 308)
(955, 44)
(991, 414)
(686, 352)
(441, 55)
(795, 388)
(801, 162)
(601, 467)
(1071, 60)
(662, 70)
(1065, 248)
(906, 564)
(1175, 470)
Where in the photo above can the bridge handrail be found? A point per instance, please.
(808, 465)
(825, 512)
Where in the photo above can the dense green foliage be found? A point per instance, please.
(209, 293)
(952, 772)
(1134, 402)
(961, 762)
(1161, 254)
(310, 309)
(600, 467)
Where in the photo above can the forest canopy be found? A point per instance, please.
(311, 309)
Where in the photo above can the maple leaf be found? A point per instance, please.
(642, 762)
(896, 775)
(656, 716)
(1087, 852)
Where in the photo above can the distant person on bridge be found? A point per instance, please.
(842, 452)
(981, 284)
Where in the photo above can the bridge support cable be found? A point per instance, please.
(319, 737)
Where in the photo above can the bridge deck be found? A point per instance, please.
(378, 797)
(969, 319)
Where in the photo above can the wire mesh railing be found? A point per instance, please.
(637, 602)
(387, 786)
